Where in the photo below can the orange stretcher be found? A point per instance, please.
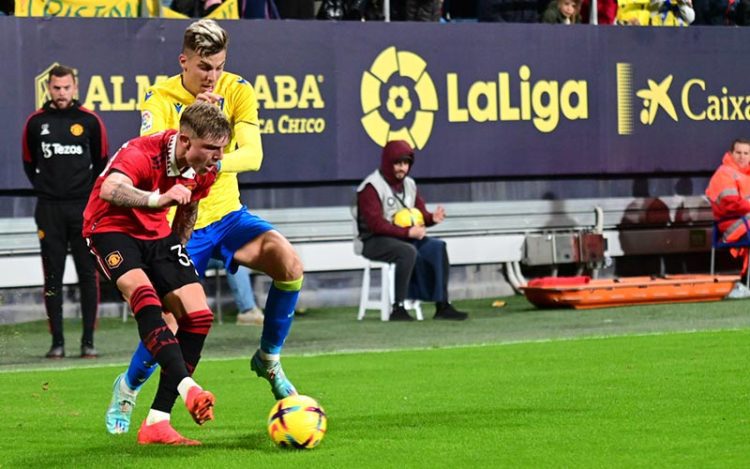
(587, 293)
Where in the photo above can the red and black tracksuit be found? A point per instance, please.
(63, 152)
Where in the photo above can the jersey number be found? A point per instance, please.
(182, 256)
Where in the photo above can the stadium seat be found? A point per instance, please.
(717, 243)
(384, 301)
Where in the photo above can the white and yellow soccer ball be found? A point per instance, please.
(408, 217)
(297, 422)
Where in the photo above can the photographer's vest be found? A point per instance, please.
(390, 203)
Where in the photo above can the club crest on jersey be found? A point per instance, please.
(113, 259)
(390, 201)
(190, 185)
(76, 130)
(147, 121)
(45, 129)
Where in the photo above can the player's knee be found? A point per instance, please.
(295, 269)
(292, 266)
(142, 297)
(197, 322)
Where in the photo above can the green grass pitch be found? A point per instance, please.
(657, 386)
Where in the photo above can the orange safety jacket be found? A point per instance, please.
(729, 194)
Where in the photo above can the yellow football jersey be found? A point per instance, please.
(161, 110)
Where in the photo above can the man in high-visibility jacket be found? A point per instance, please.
(729, 193)
(729, 190)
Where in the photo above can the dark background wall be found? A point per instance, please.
(497, 111)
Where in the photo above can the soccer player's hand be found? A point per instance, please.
(208, 97)
(176, 195)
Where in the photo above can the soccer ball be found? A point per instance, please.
(297, 422)
(407, 217)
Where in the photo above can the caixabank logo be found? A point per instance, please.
(694, 99)
(400, 100)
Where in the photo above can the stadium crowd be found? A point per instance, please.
(609, 12)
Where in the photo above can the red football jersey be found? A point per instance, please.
(150, 163)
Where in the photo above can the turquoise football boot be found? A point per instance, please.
(272, 371)
(120, 407)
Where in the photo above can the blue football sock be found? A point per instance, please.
(279, 314)
(141, 367)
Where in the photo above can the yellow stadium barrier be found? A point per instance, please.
(114, 9)
(79, 8)
(226, 11)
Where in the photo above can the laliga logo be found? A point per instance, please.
(41, 92)
(398, 71)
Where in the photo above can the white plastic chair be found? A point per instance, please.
(385, 298)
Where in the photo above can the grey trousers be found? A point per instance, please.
(422, 266)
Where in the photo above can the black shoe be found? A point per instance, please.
(449, 313)
(88, 351)
(399, 314)
(56, 352)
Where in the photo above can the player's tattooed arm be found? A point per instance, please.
(118, 189)
(184, 221)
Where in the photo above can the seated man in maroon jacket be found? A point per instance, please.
(422, 266)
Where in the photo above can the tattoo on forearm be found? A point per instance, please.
(125, 195)
(184, 221)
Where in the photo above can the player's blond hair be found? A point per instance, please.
(205, 120)
(205, 37)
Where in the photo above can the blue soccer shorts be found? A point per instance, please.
(223, 238)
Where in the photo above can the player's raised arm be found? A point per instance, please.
(249, 153)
